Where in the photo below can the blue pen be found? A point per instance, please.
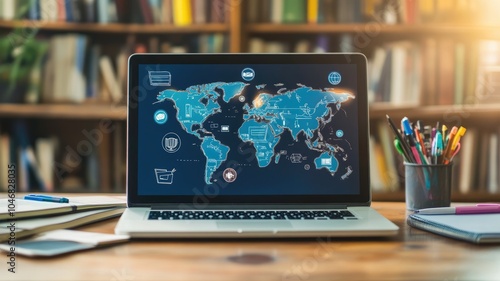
(46, 198)
(405, 122)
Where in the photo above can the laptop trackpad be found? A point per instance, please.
(254, 225)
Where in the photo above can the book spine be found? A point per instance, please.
(182, 12)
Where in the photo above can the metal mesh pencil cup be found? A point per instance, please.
(427, 186)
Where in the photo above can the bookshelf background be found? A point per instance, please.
(445, 55)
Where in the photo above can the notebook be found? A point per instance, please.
(62, 241)
(248, 145)
(28, 227)
(18, 208)
(477, 228)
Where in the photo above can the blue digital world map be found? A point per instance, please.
(301, 111)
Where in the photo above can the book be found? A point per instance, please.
(217, 12)
(30, 209)
(182, 12)
(446, 66)
(492, 182)
(9, 9)
(200, 11)
(4, 160)
(166, 12)
(25, 228)
(61, 10)
(312, 11)
(376, 180)
(110, 79)
(468, 161)
(48, 10)
(147, 12)
(45, 149)
(294, 11)
(459, 77)
(27, 158)
(64, 79)
(478, 228)
(34, 10)
(102, 11)
(62, 241)
(277, 11)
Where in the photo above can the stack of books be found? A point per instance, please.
(20, 218)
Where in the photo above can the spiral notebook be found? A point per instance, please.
(478, 228)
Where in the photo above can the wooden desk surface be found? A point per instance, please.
(411, 255)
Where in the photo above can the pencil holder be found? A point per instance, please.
(427, 186)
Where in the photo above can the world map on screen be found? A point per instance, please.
(300, 111)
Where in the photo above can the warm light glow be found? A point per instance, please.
(257, 102)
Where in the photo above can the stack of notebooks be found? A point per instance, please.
(34, 217)
(475, 228)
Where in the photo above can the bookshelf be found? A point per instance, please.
(117, 28)
(65, 111)
(239, 31)
(383, 29)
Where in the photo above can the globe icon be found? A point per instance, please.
(334, 78)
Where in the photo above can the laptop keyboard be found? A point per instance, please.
(251, 215)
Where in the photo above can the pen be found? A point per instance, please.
(437, 147)
(406, 149)
(405, 123)
(462, 210)
(420, 145)
(460, 133)
(46, 198)
(428, 140)
(443, 131)
(399, 149)
(414, 149)
(447, 151)
(420, 139)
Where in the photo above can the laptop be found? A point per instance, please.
(248, 145)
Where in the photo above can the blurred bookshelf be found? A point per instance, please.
(67, 111)
(444, 56)
(117, 28)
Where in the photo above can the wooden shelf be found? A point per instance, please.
(67, 111)
(372, 28)
(441, 112)
(116, 28)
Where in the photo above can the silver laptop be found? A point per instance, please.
(248, 145)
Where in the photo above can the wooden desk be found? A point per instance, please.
(412, 255)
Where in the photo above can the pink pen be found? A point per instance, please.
(485, 208)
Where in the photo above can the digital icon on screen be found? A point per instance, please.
(339, 133)
(164, 176)
(296, 158)
(160, 116)
(347, 174)
(241, 98)
(248, 74)
(224, 128)
(229, 175)
(326, 161)
(160, 78)
(334, 78)
(171, 142)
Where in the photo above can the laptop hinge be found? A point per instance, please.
(247, 206)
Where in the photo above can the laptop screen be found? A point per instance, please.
(248, 128)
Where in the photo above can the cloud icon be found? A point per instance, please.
(160, 116)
